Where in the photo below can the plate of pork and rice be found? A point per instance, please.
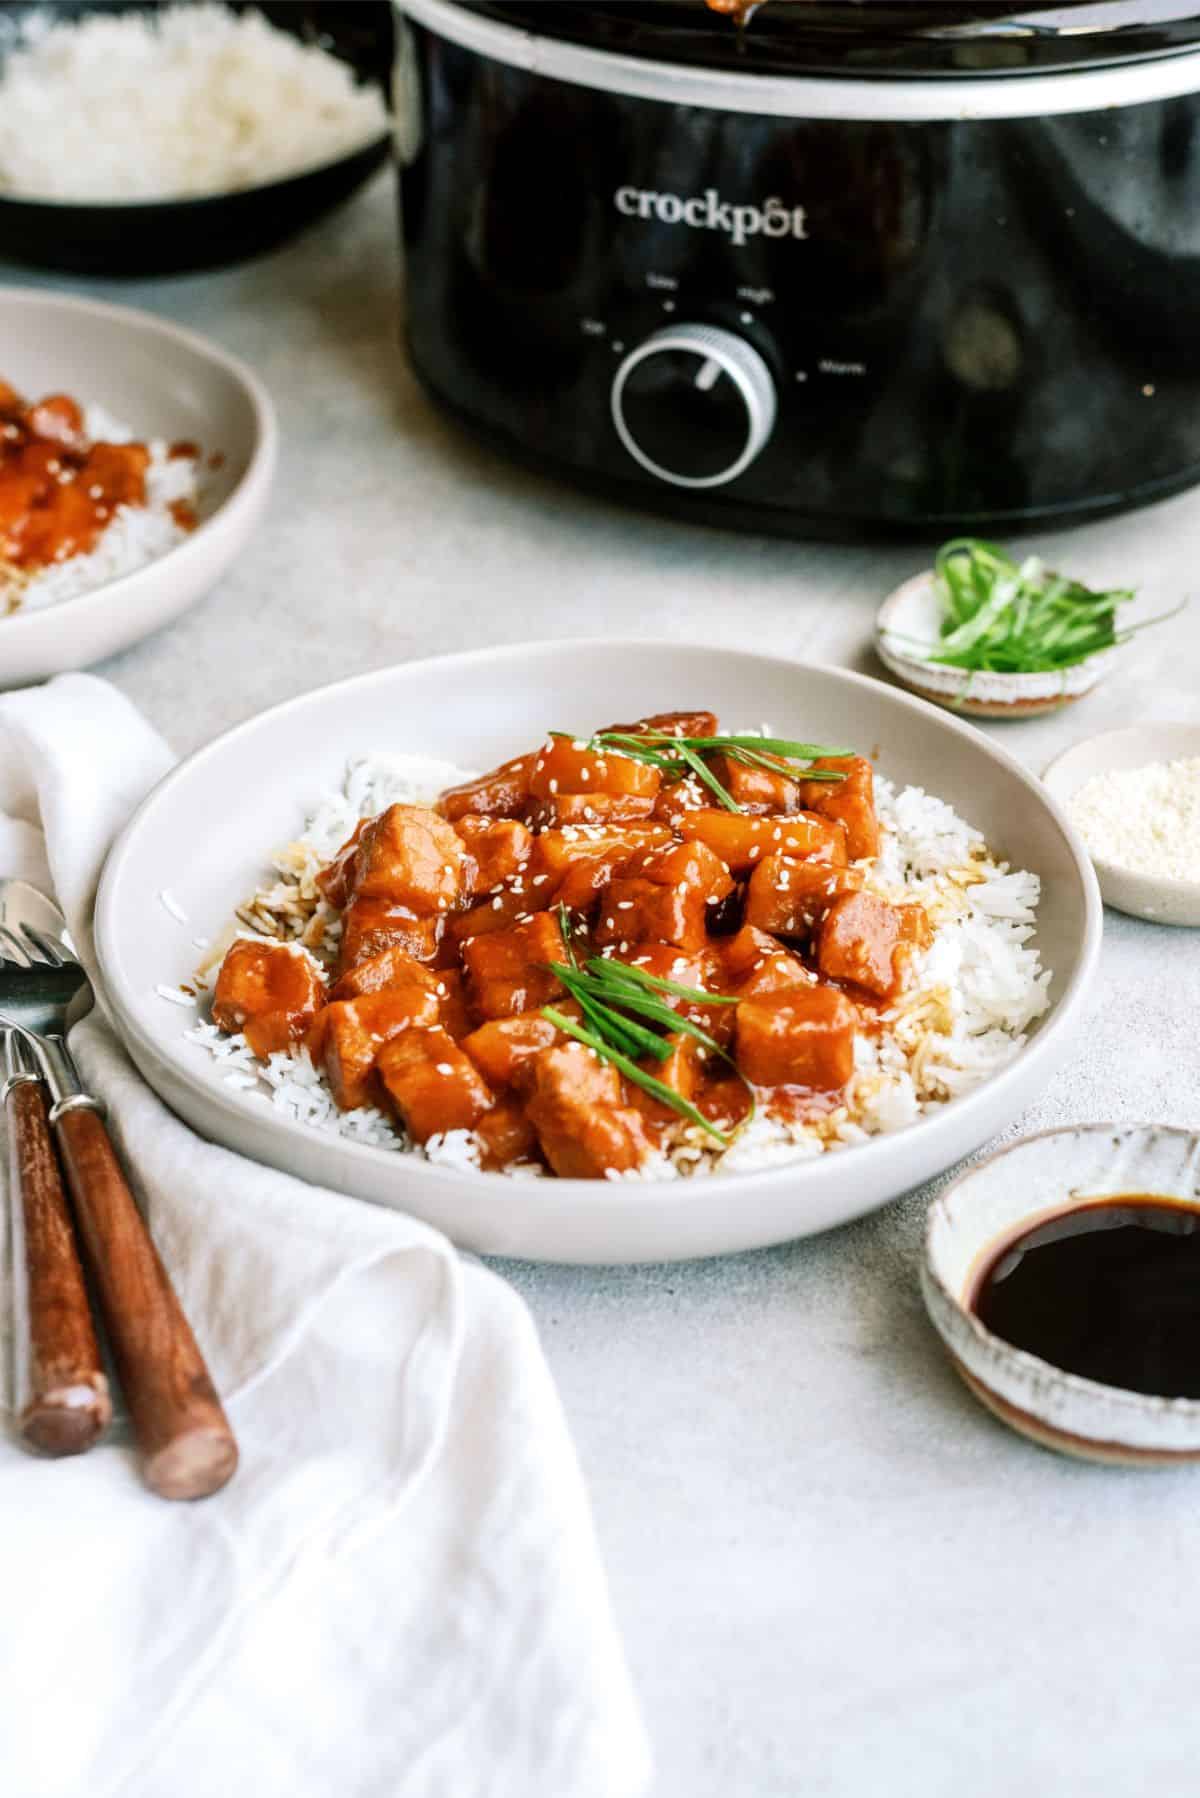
(602, 951)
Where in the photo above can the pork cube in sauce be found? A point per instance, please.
(269, 991)
(758, 790)
(689, 865)
(583, 1125)
(333, 881)
(682, 1072)
(410, 856)
(349, 1035)
(667, 724)
(849, 802)
(382, 973)
(643, 911)
(506, 970)
(503, 1049)
(431, 1084)
(556, 852)
(495, 912)
(500, 794)
(751, 962)
(798, 1036)
(559, 810)
(498, 847)
(665, 895)
(370, 927)
(454, 1013)
(864, 940)
(506, 1135)
(789, 897)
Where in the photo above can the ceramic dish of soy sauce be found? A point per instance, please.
(1083, 1243)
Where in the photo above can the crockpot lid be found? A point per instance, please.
(867, 37)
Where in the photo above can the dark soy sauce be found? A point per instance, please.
(1109, 1290)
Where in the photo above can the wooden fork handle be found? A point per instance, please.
(188, 1449)
(62, 1395)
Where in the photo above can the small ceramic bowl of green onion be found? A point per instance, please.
(996, 638)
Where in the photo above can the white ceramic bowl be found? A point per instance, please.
(162, 382)
(911, 615)
(206, 832)
(1012, 1192)
(1143, 896)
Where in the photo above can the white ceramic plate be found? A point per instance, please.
(206, 832)
(1118, 751)
(911, 615)
(1022, 1186)
(162, 382)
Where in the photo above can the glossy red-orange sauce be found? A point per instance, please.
(58, 490)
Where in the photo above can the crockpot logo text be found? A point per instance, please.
(709, 212)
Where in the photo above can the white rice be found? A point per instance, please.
(192, 100)
(973, 995)
(135, 536)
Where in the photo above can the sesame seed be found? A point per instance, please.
(554, 786)
(443, 1067)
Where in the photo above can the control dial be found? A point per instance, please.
(694, 404)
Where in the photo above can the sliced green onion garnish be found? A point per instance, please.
(656, 1088)
(999, 616)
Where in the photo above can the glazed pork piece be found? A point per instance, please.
(595, 947)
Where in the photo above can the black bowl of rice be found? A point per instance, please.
(138, 139)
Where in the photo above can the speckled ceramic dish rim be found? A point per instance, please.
(1142, 1410)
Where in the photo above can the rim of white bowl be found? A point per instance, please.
(255, 477)
(1034, 1364)
(1170, 884)
(623, 1193)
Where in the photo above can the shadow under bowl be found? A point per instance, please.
(168, 237)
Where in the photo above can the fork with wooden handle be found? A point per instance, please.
(62, 1398)
(188, 1449)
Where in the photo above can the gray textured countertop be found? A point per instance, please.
(836, 1575)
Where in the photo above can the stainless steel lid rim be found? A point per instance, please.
(899, 100)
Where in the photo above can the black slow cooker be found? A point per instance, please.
(838, 268)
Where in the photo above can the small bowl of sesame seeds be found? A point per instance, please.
(1134, 797)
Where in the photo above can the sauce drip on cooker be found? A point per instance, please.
(740, 11)
(58, 490)
(1109, 1290)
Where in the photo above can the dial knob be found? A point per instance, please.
(694, 404)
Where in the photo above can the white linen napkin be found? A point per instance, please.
(399, 1594)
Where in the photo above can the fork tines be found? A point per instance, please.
(30, 947)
